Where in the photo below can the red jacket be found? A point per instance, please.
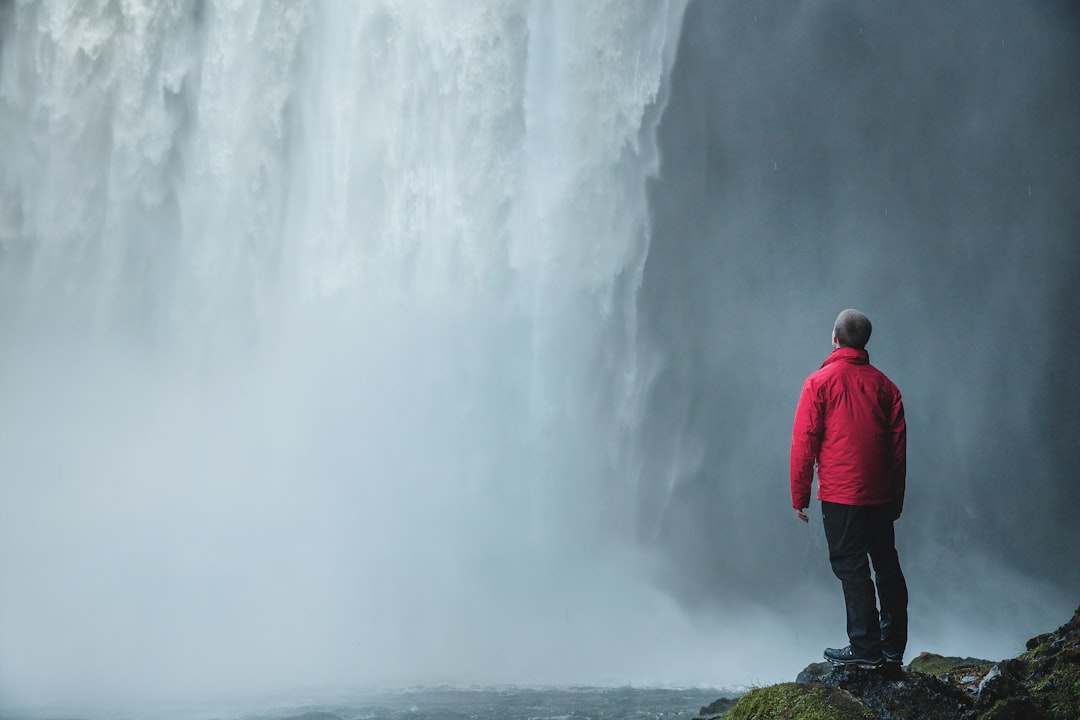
(850, 421)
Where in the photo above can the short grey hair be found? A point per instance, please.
(852, 329)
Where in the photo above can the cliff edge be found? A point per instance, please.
(1043, 683)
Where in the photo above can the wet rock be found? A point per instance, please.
(1003, 681)
(1039, 640)
(988, 684)
(715, 709)
(1046, 678)
(1041, 684)
(896, 694)
(814, 672)
(954, 668)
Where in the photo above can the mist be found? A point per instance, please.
(319, 362)
(920, 164)
(366, 345)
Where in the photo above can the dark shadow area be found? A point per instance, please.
(920, 162)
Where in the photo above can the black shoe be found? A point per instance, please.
(847, 656)
(892, 658)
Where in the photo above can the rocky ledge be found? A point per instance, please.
(1041, 684)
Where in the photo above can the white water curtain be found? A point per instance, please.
(319, 342)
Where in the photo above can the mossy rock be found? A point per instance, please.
(798, 701)
(1041, 684)
(954, 669)
(1052, 666)
(1058, 689)
(715, 709)
(964, 674)
(815, 672)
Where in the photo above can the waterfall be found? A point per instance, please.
(371, 343)
(320, 355)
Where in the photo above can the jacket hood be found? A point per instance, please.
(851, 355)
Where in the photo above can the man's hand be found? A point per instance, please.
(802, 515)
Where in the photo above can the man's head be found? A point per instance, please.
(852, 329)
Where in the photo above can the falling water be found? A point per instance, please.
(320, 354)
(365, 344)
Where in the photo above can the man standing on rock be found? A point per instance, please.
(850, 423)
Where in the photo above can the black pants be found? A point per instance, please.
(853, 533)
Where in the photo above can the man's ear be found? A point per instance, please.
(835, 341)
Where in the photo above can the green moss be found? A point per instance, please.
(1039, 650)
(1053, 672)
(1010, 709)
(796, 701)
(955, 668)
(1062, 693)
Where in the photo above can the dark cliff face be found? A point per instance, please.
(918, 162)
(1043, 683)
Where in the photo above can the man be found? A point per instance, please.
(850, 423)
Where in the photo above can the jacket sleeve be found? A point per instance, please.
(805, 442)
(898, 449)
